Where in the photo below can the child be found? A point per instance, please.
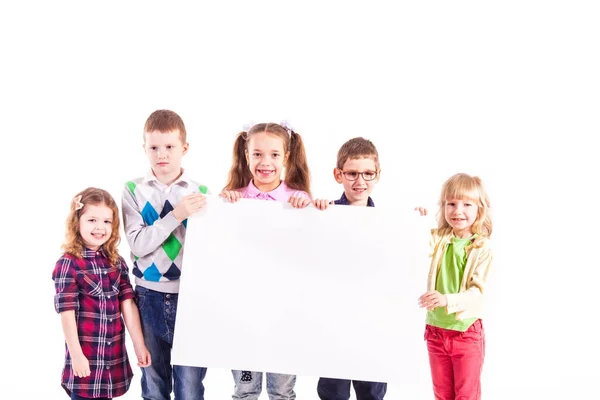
(155, 212)
(461, 258)
(92, 293)
(259, 157)
(358, 171)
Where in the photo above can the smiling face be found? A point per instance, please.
(266, 157)
(352, 177)
(460, 214)
(95, 225)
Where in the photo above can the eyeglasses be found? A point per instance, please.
(366, 175)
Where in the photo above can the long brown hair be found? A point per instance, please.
(74, 243)
(297, 174)
(463, 186)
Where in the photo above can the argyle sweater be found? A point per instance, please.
(155, 237)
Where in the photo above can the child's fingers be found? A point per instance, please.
(300, 202)
(321, 204)
(228, 195)
(198, 204)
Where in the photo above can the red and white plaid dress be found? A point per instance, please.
(95, 290)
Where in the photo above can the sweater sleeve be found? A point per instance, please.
(143, 239)
(471, 300)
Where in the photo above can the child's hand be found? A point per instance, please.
(143, 355)
(190, 204)
(298, 202)
(81, 365)
(432, 300)
(422, 210)
(322, 204)
(231, 195)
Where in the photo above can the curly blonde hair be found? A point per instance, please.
(74, 243)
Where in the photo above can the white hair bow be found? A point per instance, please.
(78, 203)
(286, 125)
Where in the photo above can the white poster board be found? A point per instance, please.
(332, 293)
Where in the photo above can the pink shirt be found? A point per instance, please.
(280, 193)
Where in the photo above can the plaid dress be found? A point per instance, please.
(95, 290)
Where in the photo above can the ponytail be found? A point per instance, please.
(239, 174)
(297, 175)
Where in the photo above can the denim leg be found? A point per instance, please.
(333, 389)
(248, 385)
(369, 390)
(281, 386)
(156, 379)
(188, 382)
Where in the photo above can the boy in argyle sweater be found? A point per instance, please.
(155, 211)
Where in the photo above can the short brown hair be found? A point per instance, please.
(166, 121)
(356, 148)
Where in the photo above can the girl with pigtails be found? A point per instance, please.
(260, 155)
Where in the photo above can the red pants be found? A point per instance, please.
(456, 360)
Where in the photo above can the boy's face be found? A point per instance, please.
(358, 190)
(164, 151)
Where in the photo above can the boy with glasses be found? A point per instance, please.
(358, 171)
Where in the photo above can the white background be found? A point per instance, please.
(509, 91)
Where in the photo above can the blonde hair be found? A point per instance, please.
(74, 243)
(297, 174)
(463, 186)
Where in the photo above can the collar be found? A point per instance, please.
(344, 201)
(184, 178)
(278, 194)
(89, 253)
(446, 239)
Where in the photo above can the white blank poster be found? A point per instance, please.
(266, 287)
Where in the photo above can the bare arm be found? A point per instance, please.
(131, 316)
(81, 365)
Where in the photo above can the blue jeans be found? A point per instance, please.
(157, 314)
(339, 389)
(248, 385)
